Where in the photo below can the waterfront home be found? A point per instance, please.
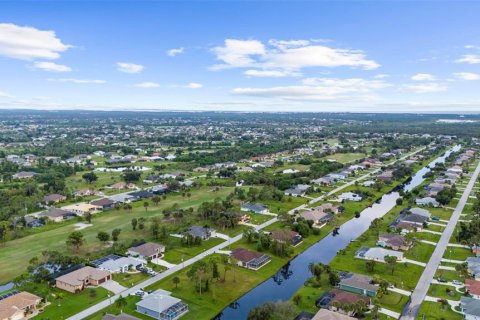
(286, 236)
(427, 201)
(473, 266)
(349, 196)
(78, 280)
(161, 306)
(386, 176)
(358, 283)
(121, 316)
(377, 254)
(335, 299)
(329, 208)
(255, 208)
(18, 305)
(325, 314)
(393, 241)
(419, 212)
(318, 217)
(250, 259)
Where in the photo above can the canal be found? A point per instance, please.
(294, 274)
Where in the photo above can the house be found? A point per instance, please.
(289, 171)
(142, 194)
(393, 241)
(159, 189)
(470, 308)
(324, 181)
(250, 259)
(201, 232)
(104, 203)
(121, 198)
(359, 284)
(473, 265)
(317, 216)
(349, 196)
(255, 208)
(325, 314)
(386, 176)
(162, 306)
(17, 305)
(286, 236)
(24, 175)
(334, 297)
(329, 208)
(294, 192)
(57, 215)
(147, 251)
(121, 316)
(377, 254)
(473, 288)
(152, 179)
(54, 198)
(476, 250)
(82, 208)
(84, 193)
(304, 315)
(368, 183)
(78, 280)
(420, 212)
(122, 185)
(427, 201)
(455, 169)
(117, 264)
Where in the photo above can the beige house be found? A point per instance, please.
(82, 208)
(79, 279)
(18, 306)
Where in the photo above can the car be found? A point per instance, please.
(138, 293)
(435, 218)
(458, 283)
(442, 280)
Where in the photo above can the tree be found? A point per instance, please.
(370, 265)
(145, 205)
(296, 299)
(103, 236)
(134, 223)
(121, 303)
(131, 176)
(391, 262)
(115, 234)
(176, 281)
(90, 177)
(156, 200)
(88, 217)
(75, 240)
(141, 223)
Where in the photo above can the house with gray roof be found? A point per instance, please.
(377, 254)
(358, 283)
(254, 207)
(470, 308)
(473, 265)
(161, 306)
(427, 201)
(201, 232)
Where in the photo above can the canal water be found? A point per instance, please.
(294, 274)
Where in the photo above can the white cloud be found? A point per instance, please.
(318, 89)
(51, 66)
(5, 95)
(147, 85)
(129, 67)
(175, 51)
(381, 76)
(81, 81)
(423, 77)
(468, 76)
(287, 56)
(194, 85)
(270, 73)
(28, 43)
(469, 58)
(424, 87)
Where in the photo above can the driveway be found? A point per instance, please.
(113, 286)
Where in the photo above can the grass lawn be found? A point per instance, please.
(449, 275)
(175, 251)
(420, 252)
(440, 291)
(258, 218)
(441, 213)
(393, 301)
(436, 228)
(287, 204)
(130, 279)
(435, 311)
(64, 304)
(15, 254)
(455, 253)
(427, 236)
(344, 157)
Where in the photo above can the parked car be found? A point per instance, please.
(435, 218)
(456, 282)
(442, 280)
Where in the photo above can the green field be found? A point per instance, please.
(435, 311)
(344, 157)
(15, 254)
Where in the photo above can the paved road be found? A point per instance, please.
(411, 309)
(105, 303)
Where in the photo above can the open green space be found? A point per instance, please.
(437, 311)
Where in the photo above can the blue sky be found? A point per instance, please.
(386, 56)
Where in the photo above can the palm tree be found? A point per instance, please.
(121, 303)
